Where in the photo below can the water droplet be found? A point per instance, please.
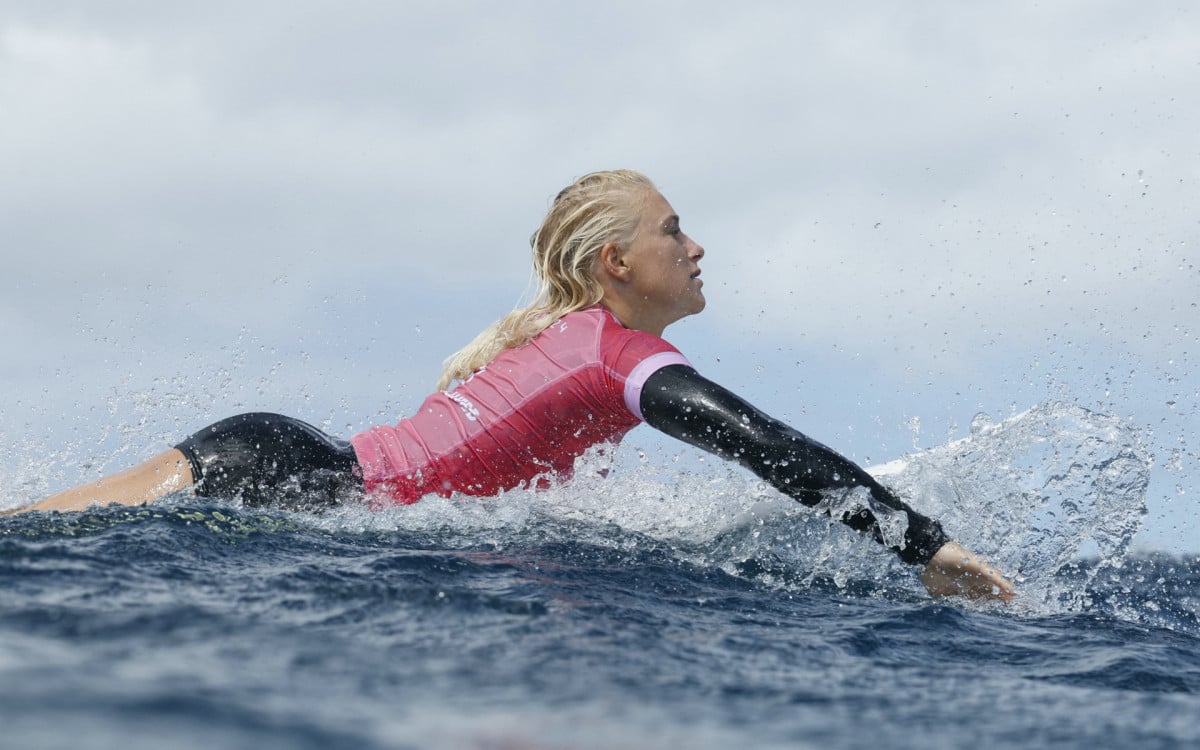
(980, 422)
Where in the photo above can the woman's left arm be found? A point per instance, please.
(682, 403)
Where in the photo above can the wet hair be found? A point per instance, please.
(596, 209)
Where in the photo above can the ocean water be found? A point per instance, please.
(660, 607)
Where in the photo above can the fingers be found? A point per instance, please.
(977, 581)
(956, 571)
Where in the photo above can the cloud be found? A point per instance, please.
(1024, 178)
(998, 196)
(942, 164)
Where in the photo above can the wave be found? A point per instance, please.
(1036, 493)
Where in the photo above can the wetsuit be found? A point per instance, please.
(526, 417)
(269, 459)
(529, 413)
(680, 402)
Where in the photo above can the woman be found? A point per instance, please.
(583, 364)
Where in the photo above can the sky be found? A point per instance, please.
(912, 213)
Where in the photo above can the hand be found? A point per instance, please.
(956, 571)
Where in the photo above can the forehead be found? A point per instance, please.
(656, 208)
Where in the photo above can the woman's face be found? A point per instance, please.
(664, 271)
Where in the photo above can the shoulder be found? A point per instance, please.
(612, 331)
(596, 327)
(626, 351)
(596, 335)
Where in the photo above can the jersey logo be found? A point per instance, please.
(464, 403)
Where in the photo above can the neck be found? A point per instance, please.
(628, 316)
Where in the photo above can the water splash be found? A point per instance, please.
(1035, 491)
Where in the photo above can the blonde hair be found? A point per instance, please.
(596, 209)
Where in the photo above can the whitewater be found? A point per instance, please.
(665, 604)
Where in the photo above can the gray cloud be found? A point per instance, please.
(996, 202)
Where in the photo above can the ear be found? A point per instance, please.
(612, 262)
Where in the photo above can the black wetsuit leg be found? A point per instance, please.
(270, 459)
(682, 403)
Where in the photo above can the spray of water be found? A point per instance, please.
(1033, 493)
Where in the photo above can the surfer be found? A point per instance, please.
(583, 364)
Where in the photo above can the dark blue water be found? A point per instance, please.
(631, 612)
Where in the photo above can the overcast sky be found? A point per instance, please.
(912, 212)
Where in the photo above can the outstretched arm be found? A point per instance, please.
(680, 402)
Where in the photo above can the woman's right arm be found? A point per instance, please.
(680, 402)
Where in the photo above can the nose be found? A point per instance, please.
(696, 252)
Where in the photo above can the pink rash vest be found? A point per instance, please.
(530, 412)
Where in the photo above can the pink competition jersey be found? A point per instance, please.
(530, 412)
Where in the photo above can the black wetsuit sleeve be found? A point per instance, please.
(682, 403)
